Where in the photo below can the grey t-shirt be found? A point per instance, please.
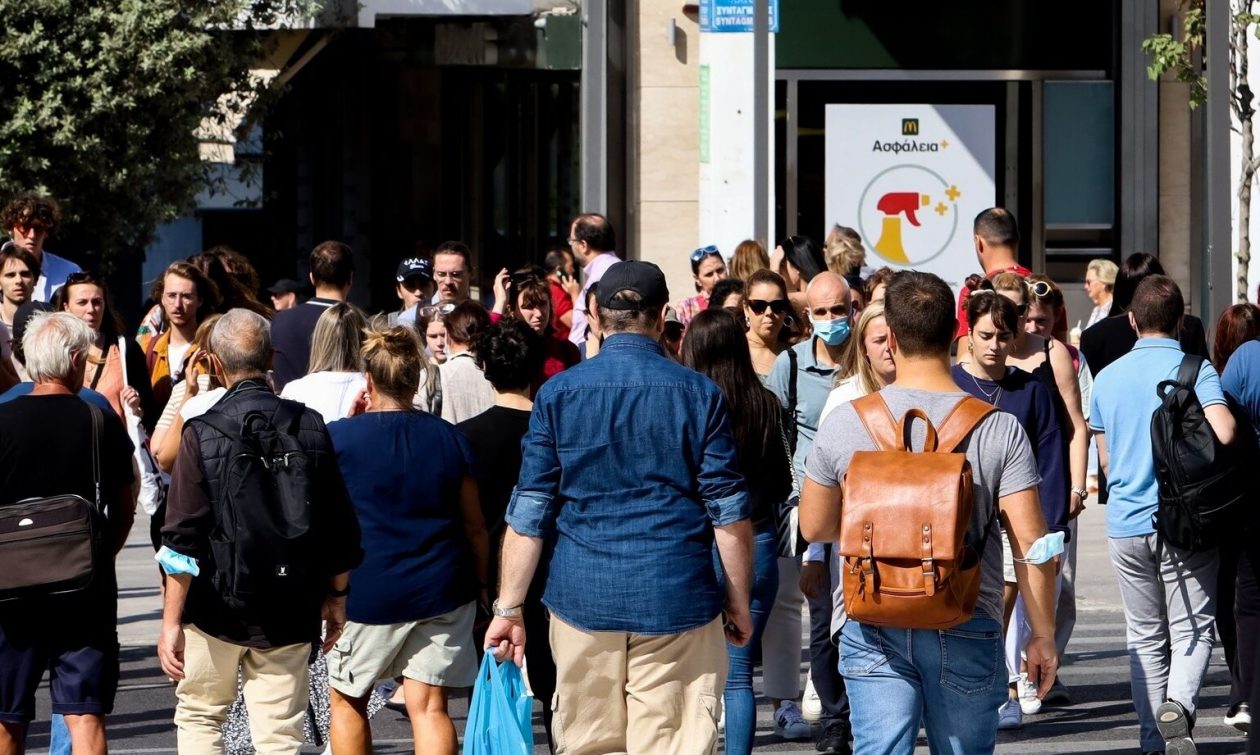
(1001, 464)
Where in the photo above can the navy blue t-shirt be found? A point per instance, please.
(1024, 396)
(87, 394)
(404, 471)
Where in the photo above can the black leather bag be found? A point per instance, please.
(51, 545)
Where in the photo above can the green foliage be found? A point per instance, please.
(101, 100)
(1178, 55)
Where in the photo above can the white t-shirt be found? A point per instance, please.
(201, 403)
(175, 359)
(332, 394)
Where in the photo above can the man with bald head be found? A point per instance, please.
(802, 378)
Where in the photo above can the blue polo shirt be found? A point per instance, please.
(814, 382)
(1123, 402)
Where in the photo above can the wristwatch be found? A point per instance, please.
(512, 612)
(1082, 492)
(335, 593)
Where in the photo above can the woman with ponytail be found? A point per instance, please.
(410, 479)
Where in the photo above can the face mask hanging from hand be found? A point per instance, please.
(832, 332)
(1045, 548)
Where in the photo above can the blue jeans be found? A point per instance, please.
(58, 736)
(951, 680)
(741, 708)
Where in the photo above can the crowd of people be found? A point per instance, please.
(638, 501)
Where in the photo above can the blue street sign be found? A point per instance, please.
(733, 15)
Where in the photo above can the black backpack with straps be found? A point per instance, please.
(262, 542)
(1203, 485)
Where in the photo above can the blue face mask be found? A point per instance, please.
(1045, 548)
(832, 332)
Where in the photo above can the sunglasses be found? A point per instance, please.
(436, 310)
(1040, 289)
(519, 279)
(835, 310)
(703, 252)
(778, 306)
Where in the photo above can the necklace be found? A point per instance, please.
(992, 397)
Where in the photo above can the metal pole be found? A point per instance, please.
(1216, 262)
(593, 128)
(761, 124)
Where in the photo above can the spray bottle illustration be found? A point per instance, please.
(893, 205)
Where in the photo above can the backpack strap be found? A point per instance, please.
(221, 424)
(791, 397)
(1188, 372)
(878, 420)
(960, 421)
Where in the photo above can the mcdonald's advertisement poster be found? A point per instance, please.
(910, 179)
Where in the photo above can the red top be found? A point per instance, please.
(560, 303)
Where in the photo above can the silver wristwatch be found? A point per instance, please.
(512, 612)
(1082, 492)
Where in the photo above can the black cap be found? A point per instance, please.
(285, 286)
(415, 267)
(643, 278)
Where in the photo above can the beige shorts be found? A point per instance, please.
(437, 651)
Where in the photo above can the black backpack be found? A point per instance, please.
(262, 541)
(1203, 486)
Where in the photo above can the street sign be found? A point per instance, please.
(734, 15)
(910, 178)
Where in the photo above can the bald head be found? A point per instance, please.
(825, 289)
(241, 339)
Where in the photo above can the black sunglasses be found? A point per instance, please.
(778, 306)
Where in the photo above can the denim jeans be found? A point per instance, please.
(741, 708)
(952, 680)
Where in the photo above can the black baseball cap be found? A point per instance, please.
(643, 278)
(415, 267)
(285, 286)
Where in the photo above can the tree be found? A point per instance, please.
(102, 101)
(1181, 56)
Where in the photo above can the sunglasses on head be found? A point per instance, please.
(758, 306)
(81, 277)
(1040, 289)
(835, 310)
(703, 252)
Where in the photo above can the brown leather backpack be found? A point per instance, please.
(906, 560)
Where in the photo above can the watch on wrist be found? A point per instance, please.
(1082, 492)
(335, 593)
(507, 612)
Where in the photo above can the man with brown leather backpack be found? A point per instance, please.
(908, 483)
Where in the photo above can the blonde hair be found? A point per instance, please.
(1105, 270)
(336, 340)
(749, 257)
(854, 360)
(844, 251)
(395, 360)
(1012, 282)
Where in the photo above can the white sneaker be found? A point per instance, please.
(790, 724)
(1029, 703)
(1010, 716)
(811, 706)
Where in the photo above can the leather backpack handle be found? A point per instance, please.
(929, 439)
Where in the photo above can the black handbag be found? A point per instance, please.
(50, 545)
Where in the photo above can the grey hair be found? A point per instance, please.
(51, 343)
(242, 341)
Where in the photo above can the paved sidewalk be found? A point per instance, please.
(1096, 671)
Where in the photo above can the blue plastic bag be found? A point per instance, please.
(500, 716)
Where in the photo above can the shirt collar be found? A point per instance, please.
(1157, 342)
(616, 341)
(602, 260)
(809, 357)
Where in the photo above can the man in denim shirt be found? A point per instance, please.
(629, 465)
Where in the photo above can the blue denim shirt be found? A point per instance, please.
(629, 461)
